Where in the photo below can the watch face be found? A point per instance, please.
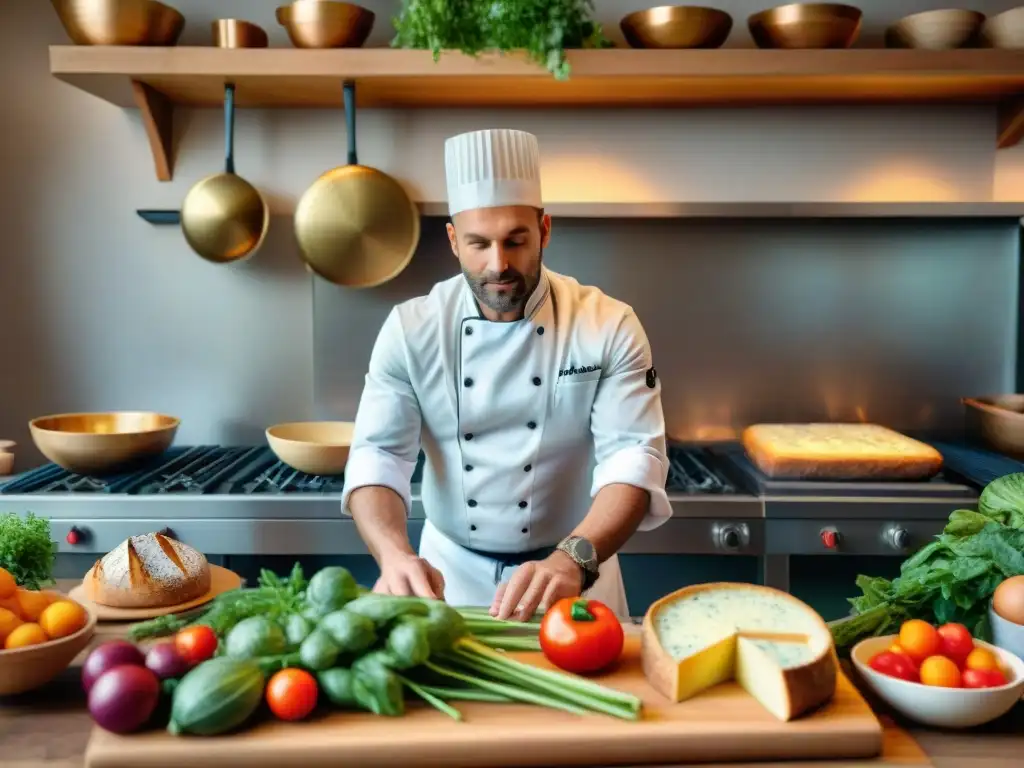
(584, 550)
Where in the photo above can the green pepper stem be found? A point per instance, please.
(579, 611)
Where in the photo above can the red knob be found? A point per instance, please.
(73, 537)
(830, 539)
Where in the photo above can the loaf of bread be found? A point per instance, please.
(838, 452)
(148, 571)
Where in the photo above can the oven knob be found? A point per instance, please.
(830, 538)
(731, 536)
(897, 537)
(74, 536)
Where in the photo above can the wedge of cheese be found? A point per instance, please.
(775, 646)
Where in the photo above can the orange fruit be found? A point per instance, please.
(940, 671)
(11, 604)
(9, 621)
(24, 636)
(32, 603)
(919, 639)
(981, 658)
(8, 586)
(62, 618)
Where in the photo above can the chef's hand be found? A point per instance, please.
(406, 574)
(537, 584)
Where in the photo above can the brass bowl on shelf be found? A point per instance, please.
(676, 26)
(313, 447)
(238, 33)
(940, 30)
(120, 22)
(102, 443)
(1004, 30)
(326, 23)
(806, 25)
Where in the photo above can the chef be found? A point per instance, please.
(534, 399)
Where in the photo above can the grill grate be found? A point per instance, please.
(692, 470)
(975, 466)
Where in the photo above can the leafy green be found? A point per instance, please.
(544, 29)
(26, 550)
(952, 578)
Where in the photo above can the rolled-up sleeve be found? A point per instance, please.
(386, 442)
(628, 422)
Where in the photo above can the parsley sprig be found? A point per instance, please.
(543, 29)
(26, 550)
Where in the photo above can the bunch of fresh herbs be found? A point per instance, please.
(26, 550)
(543, 29)
(952, 578)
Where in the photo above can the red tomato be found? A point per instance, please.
(983, 678)
(580, 635)
(196, 644)
(291, 694)
(894, 665)
(955, 642)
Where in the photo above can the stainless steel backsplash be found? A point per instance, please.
(885, 320)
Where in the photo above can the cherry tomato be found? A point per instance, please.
(580, 635)
(981, 658)
(196, 644)
(982, 678)
(940, 672)
(919, 639)
(291, 694)
(955, 642)
(897, 648)
(894, 665)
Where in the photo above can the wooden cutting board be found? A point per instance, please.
(722, 725)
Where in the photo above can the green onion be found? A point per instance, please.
(431, 699)
(507, 690)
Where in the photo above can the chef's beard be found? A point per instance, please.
(510, 299)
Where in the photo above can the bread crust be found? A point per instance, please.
(148, 571)
(908, 459)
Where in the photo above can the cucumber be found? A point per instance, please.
(332, 587)
(383, 609)
(351, 632)
(254, 637)
(216, 696)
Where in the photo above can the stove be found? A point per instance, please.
(242, 501)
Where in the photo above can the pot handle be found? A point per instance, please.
(350, 121)
(229, 128)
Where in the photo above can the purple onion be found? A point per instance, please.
(107, 656)
(124, 698)
(164, 661)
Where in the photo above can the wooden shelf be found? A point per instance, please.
(726, 210)
(386, 77)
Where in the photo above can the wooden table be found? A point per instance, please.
(50, 728)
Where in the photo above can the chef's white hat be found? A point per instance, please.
(490, 168)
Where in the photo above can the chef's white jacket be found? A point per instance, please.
(511, 418)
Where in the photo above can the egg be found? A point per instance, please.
(1008, 600)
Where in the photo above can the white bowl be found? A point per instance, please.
(1006, 634)
(941, 707)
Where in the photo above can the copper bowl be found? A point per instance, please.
(940, 30)
(677, 26)
(313, 447)
(102, 443)
(806, 25)
(997, 421)
(119, 22)
(1004, 30)
(237, 33)
(326, 23)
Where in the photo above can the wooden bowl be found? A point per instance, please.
(102, 443)
(313, 447)
(806, 25)
(119, 22)
(998, 422)
(326, 23)
(941, 30)
(238, 33)
(1004, 30)
(25, 669)
(677, 26)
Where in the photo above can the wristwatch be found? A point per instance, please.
(584, 555)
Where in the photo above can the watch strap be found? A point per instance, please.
(588, 566)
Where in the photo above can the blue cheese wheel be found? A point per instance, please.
(775, 646)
